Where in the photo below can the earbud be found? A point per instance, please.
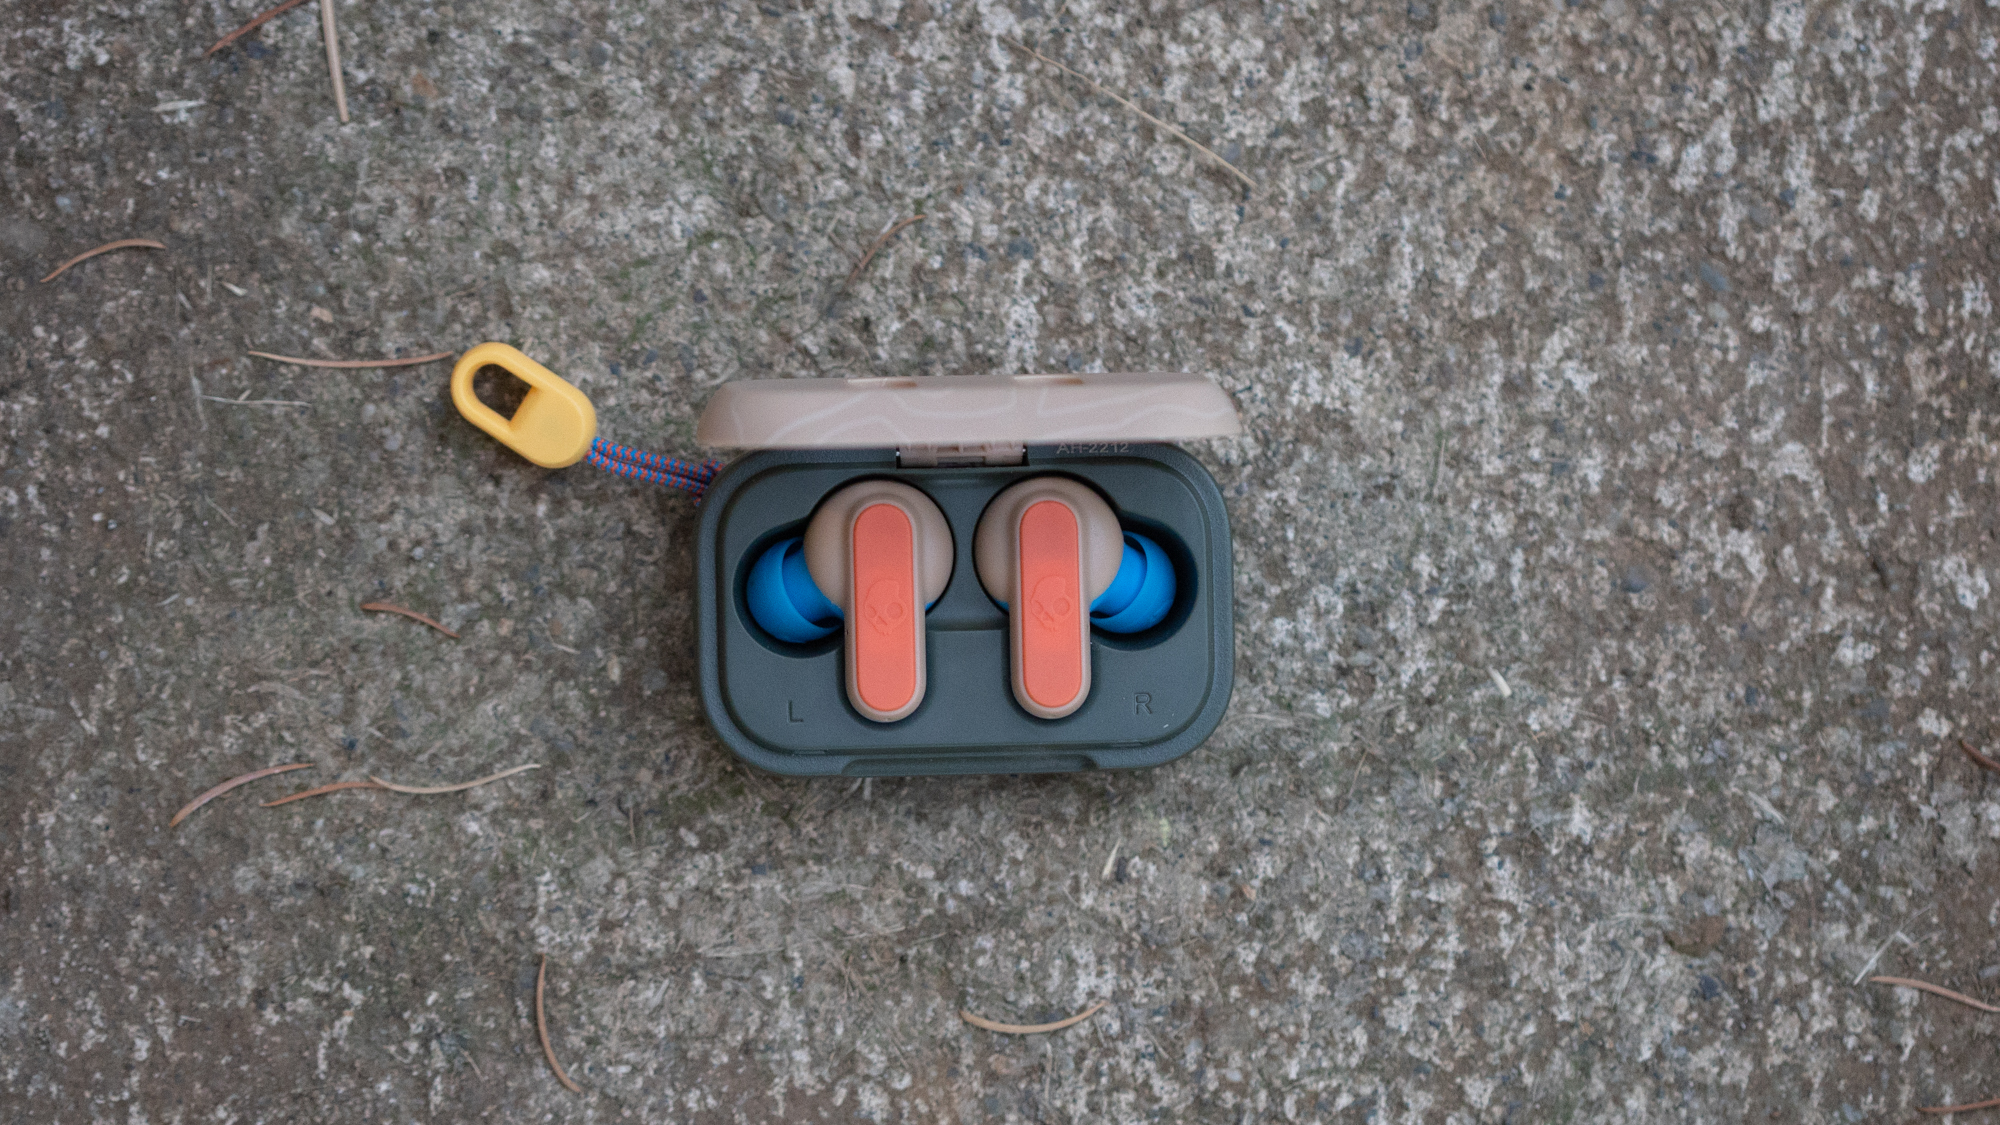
(875, 555)
(1046, 549)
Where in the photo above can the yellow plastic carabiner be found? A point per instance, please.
(555, 423)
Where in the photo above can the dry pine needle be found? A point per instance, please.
(392, 787)
(1935, 990)
(355, 363)
(121, 244)
(232, 783)
(542, 1029)
(1993, 1104)
(1978, 759)
(330, 28)
(321, 791)
(385, 607)
(880, 241)
(256, 21)
(1029, 1028)
(427, 790)
(1133, 106)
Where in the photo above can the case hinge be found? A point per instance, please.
(970, 453)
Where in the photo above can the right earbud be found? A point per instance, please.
(1046, 549)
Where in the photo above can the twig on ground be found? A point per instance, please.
(1935, 990)
(1128, 104)
(385, 607)
(432, 358)
(106, 248)
(256, 21)
(880, 240)
(1981, 760)
(332, 32)
(426, 790)
(231, 784)
(1994, 1103)
(321, 791)
(1029, 1028)
(542, 1029)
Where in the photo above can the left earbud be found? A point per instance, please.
(882, 550)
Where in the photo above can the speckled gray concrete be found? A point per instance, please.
(1615, 543)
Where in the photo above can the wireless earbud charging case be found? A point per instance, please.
(1154, 695)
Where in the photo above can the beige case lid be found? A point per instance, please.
(964, 410)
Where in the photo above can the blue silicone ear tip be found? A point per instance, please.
(1148, 575)
(806, 595)
(783, 598)
(1131, 575)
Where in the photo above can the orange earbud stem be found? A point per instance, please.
(1048, 547)
(887, 637)
(1055, 639)
(882, 552)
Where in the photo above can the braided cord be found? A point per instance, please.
(634, 472)
(635, 464)
(703, 471)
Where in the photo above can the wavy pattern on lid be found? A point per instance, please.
(948, 409)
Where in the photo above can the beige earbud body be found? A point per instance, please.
(882, 552)
(1048, 547)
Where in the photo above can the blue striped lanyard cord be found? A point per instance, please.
(636, 464)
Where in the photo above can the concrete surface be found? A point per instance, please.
(1615, 533)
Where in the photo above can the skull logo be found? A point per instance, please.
(882, 605)
(1051, 602)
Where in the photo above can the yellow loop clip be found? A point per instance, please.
(555, 423)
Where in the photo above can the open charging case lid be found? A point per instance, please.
(993, 414)
(962, 439)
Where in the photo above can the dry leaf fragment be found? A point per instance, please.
(1029, 1028)
(542, 1029)
(232, 783)
(1935, 990)
(385, 607)
(321, 791)
(121, 244)
(426, 790)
